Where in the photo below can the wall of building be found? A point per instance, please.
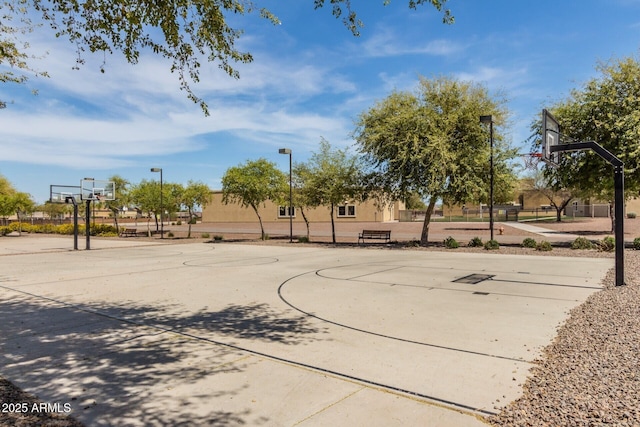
(216, 211)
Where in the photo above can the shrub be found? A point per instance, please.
(303, 239)
(636, 243)
(544, 246)
(204, 235)
(491, 245)
(529, 243)
(217, 238)
(170, 234)
(451, 243)
(476, 242)
(103, 230)
(581, 243)
(631, 215)
(4, 230)
(193, 221)
(178, 222)
(607, 244)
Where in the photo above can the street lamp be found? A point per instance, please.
(489, 119)
(161, 204)
(288, 151)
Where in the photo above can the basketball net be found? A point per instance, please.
(531, 160)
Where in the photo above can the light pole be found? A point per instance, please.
(161, 204)
(489, 119)
(288, 151)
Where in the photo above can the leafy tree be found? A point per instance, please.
(605, 110)
(195, 194)
(431, 143)
(146, 197)
(182, 31)
(253, 183)
(121, 199)
(21, 203)
(331, 178)
(414, 202)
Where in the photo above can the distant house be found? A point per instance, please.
(367, 211)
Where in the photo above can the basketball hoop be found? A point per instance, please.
(531, 160)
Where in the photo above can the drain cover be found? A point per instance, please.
(473, 279)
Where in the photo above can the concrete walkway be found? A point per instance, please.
(549, 234)
(227, 334)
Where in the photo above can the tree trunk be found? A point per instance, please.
(306, 221)
(115, 219)
(612, 215)
(190, 220)
(558, 214)
(333, 225)
(424, 237)
(262, 234)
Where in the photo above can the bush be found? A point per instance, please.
(4, 230)
(451, 243)
(582, 243)
(544, 246)
(491, 245)
(631, 215)
(636, 243)
(217, 238)
(476, 242)
(303, 239)
(607, 244)
(529, 243)
(178, 222)
(204, 235)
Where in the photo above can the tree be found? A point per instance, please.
(182, 31)
(253, 183)
(195, 194)
(331, 178)
(121, 199)
(21, 203)
(605, 110)
(432, 143)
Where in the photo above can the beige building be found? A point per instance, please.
(367, 211)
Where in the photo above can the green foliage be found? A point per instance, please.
(476, 242)
(491, 245)
(607, 244)
(432, 143)
(183, 32)
(529, 243)
(204, 235)
(451, 243)
(4, 230)
(581, 243)
(544, 246)
(636, 243)
(303, 239)
(631, 215)
(253, 183)
(170, 234)
(604, 110)
(217, 238)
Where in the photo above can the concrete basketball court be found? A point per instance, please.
(156, 334)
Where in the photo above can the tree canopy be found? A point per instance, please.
(605, 110)
(431, 143)
(185, 32)
(253, 183)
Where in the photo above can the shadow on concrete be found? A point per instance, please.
(114, 366)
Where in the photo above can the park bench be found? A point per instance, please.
(125, 232)
(374, 235)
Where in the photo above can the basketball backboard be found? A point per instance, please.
(550, 138)
(64, 193)
(97, 189)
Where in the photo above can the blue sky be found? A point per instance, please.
(310, 79)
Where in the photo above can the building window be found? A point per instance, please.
(346, 211)
(283, 211)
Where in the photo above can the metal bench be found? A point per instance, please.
(374, 235)
(125, 232)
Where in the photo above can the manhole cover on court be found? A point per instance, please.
(473, 279)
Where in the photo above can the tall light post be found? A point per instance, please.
(288, 151)
(161, 204)
(489, 119)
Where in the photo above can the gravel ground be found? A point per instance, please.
(589, 375)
